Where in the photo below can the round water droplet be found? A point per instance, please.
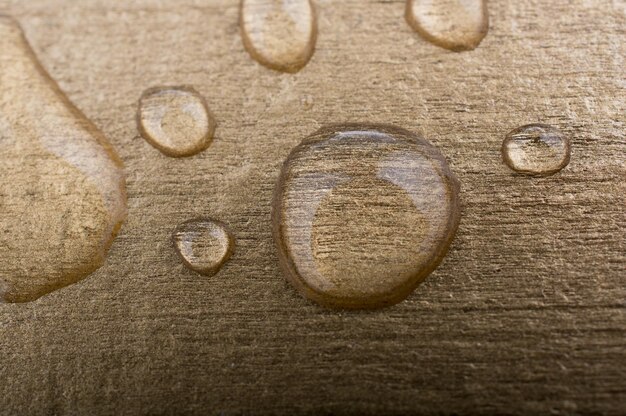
(362, 214)
(279, 34)
(175, 120)
(307, 101)
(536, 149)
(458, 25)
(62, 187)
(204, 245)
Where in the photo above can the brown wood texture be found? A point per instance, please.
(526, 314)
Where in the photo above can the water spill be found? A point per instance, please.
(279, 34)
(175, 120)
(204, 245)
(458, 25)
(62, 187)
(536, 149)
(362, 214)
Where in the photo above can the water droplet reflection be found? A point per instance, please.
(279, 34)
(175, 120)
(204, 245)
(536, 149)
(62, 187)
(362, 214)
(458, 25)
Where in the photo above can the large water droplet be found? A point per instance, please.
(62, 188)
(458, 25)
(204, 245)
(362, 214)
(175, 120)
(536, 149)
(279, 34)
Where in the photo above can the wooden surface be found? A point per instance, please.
(524, 315)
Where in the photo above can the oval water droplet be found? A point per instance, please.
(175, 120)
(307, 102)
(62, 187)
(536, 149)
(279, 34)
(362, 214)
(458, 25)
(204, 245)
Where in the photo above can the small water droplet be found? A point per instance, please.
(175, 120)
(62, 187)
(307, 102)
(362, 214)
(458, 25)
(279, 34)
(536, 149)
(204, 245)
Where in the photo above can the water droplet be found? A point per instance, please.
(362, 214)
(279, 34)
(307, 102)
(62, 187)
(536, 149)
(204, 245)
(175, 120)
(458, 25)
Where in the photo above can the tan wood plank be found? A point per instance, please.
(524, 315)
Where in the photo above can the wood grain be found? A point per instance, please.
(525, 314)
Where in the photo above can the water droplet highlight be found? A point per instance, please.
(458, 25)
(362, 214)
(175, 120)
(536, 149)
(62, 187)
(279, 34)
(204, 245)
